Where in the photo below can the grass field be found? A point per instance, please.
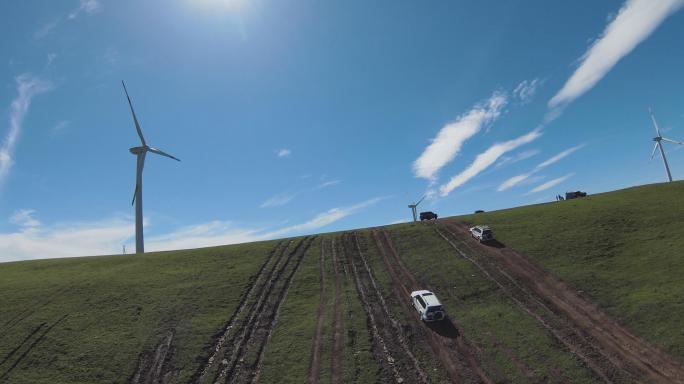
(95, 319)
(624, 249)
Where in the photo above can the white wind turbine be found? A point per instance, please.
(659, 144)
(413, 208)
(140, 152)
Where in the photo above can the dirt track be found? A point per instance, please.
(609, 350)
(238, 352)
(315, 365)
(389, 346)
(455, 353)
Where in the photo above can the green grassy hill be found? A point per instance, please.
(118, 319)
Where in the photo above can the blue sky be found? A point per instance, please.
(295, 117)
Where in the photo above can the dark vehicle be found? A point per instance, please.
(428, 216)
(574, 195)
(479, 211)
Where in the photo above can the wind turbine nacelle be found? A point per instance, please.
(137, 150)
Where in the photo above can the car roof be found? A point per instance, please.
(483, 227)
(429, 297)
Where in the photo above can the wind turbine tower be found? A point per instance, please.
(140, 152)
(413, 208)
(659, 145)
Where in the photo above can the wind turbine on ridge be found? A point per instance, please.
(413, 208)
(140, 153)
(659, 144)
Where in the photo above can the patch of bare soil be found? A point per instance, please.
(610, 350)
(458, 356)
(388, 341)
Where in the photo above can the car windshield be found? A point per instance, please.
(487, 232)
(435, 308)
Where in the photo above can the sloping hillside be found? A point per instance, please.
(335, 307)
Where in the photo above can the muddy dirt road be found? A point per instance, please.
(613, 353)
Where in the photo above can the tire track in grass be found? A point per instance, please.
(451, 348)
(403, 365)
(260, 323)
(27, 312)
(573, 340)
(352, 334)
(315, 365)
(257, 282)
(274, 320)
(337, 372)
(31, 346)
(625, 350)
(18, 347)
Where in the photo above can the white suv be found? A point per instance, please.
(427, 305)
(482, 233)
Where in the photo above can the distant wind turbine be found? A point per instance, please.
(140, 152)
(659, 145)
(413, 208)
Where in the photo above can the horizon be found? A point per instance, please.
(296, 117)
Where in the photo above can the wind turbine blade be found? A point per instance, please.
(654, 150)
(135, 193)
(673, 141)
(135, 119)
(421, 199)
(159, 152)
(655, 124)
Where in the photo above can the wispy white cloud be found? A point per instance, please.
(33, 240)
(526, 90)
(283, 152)
(209, 234)
(89, 7)
(286, 197)
(60, 127)
(518, 179)
(24, 218)
(487, 158)
(325, 218)
(278, 200)
(524, 155)
(27, 88)
(451, 137)
(560, 156)
(635, 21)
(46, 29)
(36, 241)
(86, 6)
(550, 184)
(51, 58)
(328, 184)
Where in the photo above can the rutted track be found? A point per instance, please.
(389, 345)
(257, 284)
(612, 352)
(455, 353)
(244, 361)
(315, 365)
(338, 335)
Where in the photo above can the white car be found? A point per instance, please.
(482, 233)
(427, 305)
